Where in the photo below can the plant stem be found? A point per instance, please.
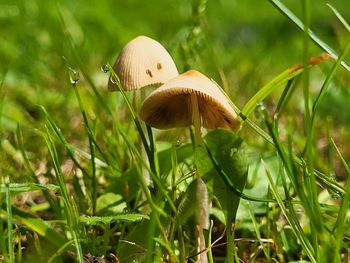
(9, 222)
(229, 231)
(196, 120)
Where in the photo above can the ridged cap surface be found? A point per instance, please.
(169, 106)
(143, 62)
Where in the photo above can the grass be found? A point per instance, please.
(73, 157)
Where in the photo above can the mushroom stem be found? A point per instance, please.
(196, 119)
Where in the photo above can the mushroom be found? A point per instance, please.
(189, 98)
(143, 62)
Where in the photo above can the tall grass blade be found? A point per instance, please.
(60, 251)
(285, 97)
(328, 80)
(340, 225)
(136, 120)
(316, 226)
(154, 220)
(57, 131)
(289, 217)
(33, 174)
(78, 61)
(70, 213)
(73, 80)
(10, 245)
(280, 79)
(2, 97)
(289, 14)
(257, 230)
(340, 17)
(38, 225)
(297, 179)
(326, 180)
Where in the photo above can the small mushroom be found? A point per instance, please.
(189, 98)
(143, 62)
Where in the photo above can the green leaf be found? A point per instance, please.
(43, 228)
(27, 187)
(228, 151)
(110, 203)
(129, 217)
(182, 153)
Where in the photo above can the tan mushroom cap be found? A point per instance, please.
(143, 62)
(169, 106)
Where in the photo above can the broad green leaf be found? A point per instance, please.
(164, 157)
(228, 151)
(218, 213)
(129, 217)
(127, 184)
(110, 203)
(42, 227)
(27, 187)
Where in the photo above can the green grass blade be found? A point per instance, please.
(326, 180)
(32, 172)
(127, 217)
(268, 88)
(340, 17)
(77, 60)
(57, 131)
(74, 77)
(297, 179)
(142, 180)
(328, 80)
(136, 120)
(26, 187)
(2, 97)
(289, 217)
(63, 248)
(340, 225)
(277, 81)
(10, 245)
(3, 247)
(38, 225)
(70, 212)
(289, 14)
(285, 97)
(309, 175)
(257, 230)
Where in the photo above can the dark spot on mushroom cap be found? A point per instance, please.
(159, 66)
(148, 72)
